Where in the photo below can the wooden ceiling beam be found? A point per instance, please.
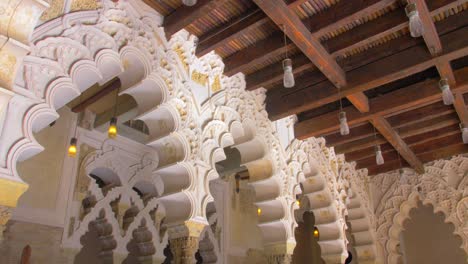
(220, 36)
(407, 118)
(301, 36)
(224, 34)
(430, 32)
(344, 13)
(411, 141)
(411, 97)
(186, 15)
(460, 107)
(256, 54)
(434, 154)
(386, 130)
(372, 75)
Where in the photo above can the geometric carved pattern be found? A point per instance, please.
(444, 185)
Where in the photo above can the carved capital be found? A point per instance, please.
(184, 249)
(11, 191)
(5, 215)
(187, 229)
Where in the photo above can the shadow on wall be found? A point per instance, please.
(307, 249)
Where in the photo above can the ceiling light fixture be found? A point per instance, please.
(316, 233)
(344, 128)
(189, 2)
(378, 151)
(288, 76)
(447, 95)
(415, 24)
(464, 130)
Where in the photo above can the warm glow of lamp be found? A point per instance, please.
(112, 131)
(316, 233)
(259, 211)
(298, 203)
(72, 148)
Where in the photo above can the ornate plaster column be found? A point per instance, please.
(18, 19)
(183, 241)
(280, 253)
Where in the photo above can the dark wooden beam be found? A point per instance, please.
(431, 37)
(404, 119)
(375, 74)
(278, 11)
(256, 54)
(460, 107)
(411, 97)
(343, 13)
(454, 147)
(105, 90)
(411, 141)
(186, 15)
(367, 33)
(224, 34)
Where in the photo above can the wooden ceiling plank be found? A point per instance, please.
(386, 130)
(411, 97)
(226, 33)
(343, 13)
(301, 36)
(360, 101)
(256, 54)
(185, 15)
(411, 141)
(372, 75)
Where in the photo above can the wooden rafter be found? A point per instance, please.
(301, 36)
(372, 75)
(386, 130)
(186, 15)
(413, 96)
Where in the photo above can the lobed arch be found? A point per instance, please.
(443, 185)
(312, 173)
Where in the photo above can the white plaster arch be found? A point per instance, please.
(433, 188)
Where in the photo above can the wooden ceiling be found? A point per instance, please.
(388, 81)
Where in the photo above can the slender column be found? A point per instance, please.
(10, 191)
(183, 241)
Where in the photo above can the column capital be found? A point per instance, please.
(5, 215)
(11, 190)
(190, 228)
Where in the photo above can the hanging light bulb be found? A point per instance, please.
(316, 233)
(344, 128)
(378, 156)
(298, 202)
(447, 95)
(112, 131)
(288, 77)
(189, 2)
(415, 24)
(464, 129)
(72, 147)
(259, 211)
